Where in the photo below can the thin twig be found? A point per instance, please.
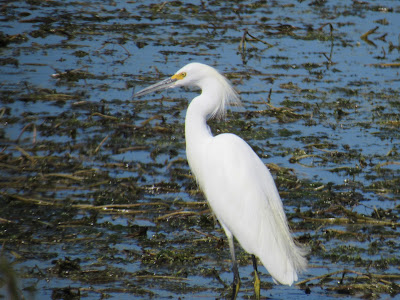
(101, 144)
(104, 116)
(177, 213)
(24, 153)
(161, 277)
(66, 176)
(3, 110)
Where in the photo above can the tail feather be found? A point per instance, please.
(279, 253)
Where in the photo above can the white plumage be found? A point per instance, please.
(239, 187)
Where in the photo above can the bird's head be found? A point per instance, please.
(189, 75)
(201, 76)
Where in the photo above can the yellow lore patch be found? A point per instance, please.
(179, 76)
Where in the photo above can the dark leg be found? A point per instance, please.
(256, 278)
(236, 278)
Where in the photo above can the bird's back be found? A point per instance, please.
(244, 198)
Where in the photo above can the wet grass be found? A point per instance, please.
(97, 199)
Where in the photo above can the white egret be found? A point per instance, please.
(238, 186)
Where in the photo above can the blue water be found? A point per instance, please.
(172, 37)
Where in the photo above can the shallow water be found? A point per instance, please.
(97, 199)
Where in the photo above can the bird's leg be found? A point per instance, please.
(236, 281)
(256, 278)
(236, 278)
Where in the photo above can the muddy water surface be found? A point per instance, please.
(97, 200)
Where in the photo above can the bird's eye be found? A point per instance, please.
(181, 75)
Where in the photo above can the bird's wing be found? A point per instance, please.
(243, 196)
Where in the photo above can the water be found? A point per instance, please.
(97, 197)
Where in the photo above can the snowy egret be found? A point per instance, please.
(238, 186)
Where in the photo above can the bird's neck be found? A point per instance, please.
(197, 134)
(196, 128)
